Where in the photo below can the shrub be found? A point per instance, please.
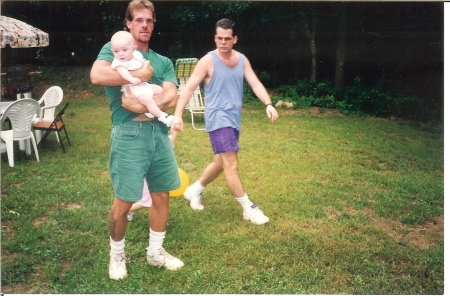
(359, 98)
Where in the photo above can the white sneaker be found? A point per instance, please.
(194, 198)
(255, 215)
(130, 216)
(167, 119)
(161, 258)
(117, 267)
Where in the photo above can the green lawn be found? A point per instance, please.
(356, 207)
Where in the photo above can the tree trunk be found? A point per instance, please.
(340, 48)
(309, 23)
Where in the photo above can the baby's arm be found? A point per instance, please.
(127, 76)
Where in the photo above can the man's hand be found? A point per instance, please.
(177, 124)
(132, 103)
(144, 73)
(272, 113)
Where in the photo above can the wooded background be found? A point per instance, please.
(284, 40)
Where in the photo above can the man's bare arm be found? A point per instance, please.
(103, 74)
(169, 98)
(166, 101)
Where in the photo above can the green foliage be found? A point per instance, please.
(268, 80)
(359, 98)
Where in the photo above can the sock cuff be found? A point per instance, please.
(117, 247)
(242, 198)
(198, 185)
(157, 234)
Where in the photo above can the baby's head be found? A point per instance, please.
(122, 45)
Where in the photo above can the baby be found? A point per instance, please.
(126, 58)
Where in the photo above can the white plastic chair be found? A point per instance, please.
(20, 114)
(51, 99)
(196, 104)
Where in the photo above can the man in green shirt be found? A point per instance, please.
(140, 147)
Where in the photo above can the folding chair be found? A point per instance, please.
(57, 125)
(196, 104)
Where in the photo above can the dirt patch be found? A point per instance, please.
(73, 206)
(79, 94)
(28, 287)
(424, 236)
(7, 228)
(312, 111)
(40, 220)
(18, 288)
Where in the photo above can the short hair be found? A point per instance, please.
(122, 35)
(226, 24)
(138, 5)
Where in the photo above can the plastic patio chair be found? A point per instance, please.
(20, 113)
(183, 70)
(51, 99)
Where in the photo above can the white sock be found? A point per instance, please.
(197, 186)
(117, 247)
(244, 201)
(156, 240)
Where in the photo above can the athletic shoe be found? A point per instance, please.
(167, 119)
(255, 215)
(194, 198)
(161, 258)
(130, 216)
(117, 267)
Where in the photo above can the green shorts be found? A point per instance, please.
(142, 149)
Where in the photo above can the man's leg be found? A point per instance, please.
(230, 168)
(159, 212)
(231, 171)
(117, 226)
(158, 218)
(194, 192)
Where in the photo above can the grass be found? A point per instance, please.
(356, 207)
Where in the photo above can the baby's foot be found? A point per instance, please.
(130, 216)
(167, 119)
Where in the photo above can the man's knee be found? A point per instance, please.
(121, 207)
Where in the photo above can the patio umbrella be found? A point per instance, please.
(21, 35)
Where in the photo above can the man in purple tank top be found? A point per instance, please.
(223, 71)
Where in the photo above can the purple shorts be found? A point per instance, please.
(224, 140)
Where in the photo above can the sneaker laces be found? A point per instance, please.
(199, 200)
(119, 259)
(162, 254)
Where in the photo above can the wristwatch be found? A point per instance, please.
(270, 104)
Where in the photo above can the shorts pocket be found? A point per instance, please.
(125, 132)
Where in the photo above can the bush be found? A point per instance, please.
(359, 98)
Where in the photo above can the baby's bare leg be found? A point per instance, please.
(148, 101)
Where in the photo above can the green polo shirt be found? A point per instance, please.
(162, 71)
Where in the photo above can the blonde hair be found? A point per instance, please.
(122, 36)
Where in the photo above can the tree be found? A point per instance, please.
(340, 46)
(309, 21)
